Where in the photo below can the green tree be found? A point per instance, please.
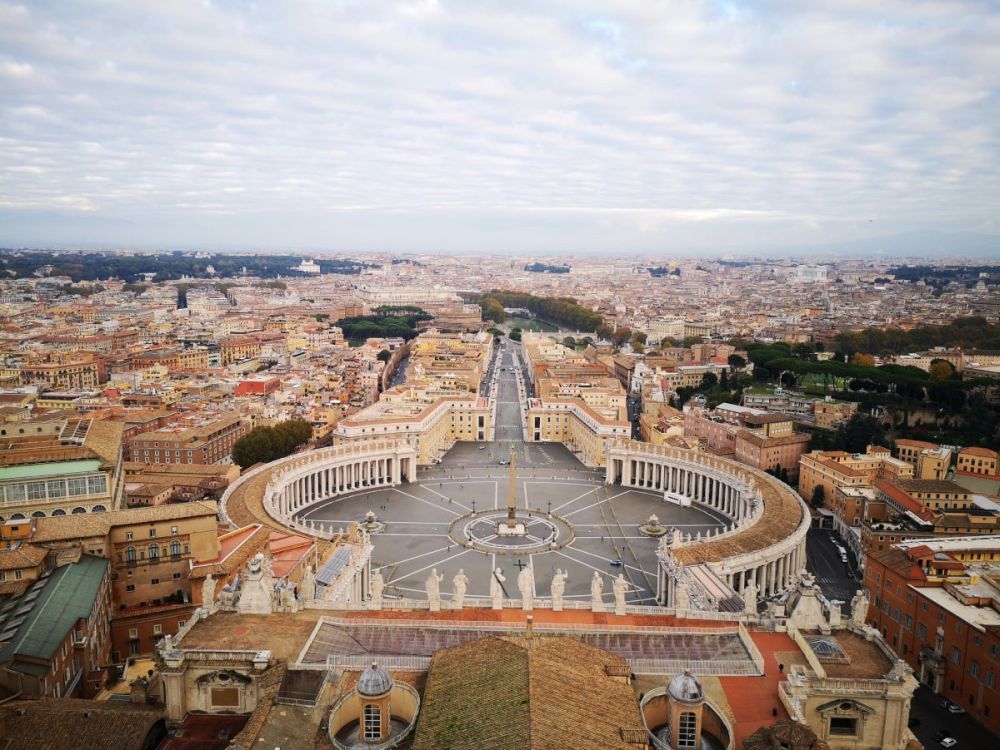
(818, 496)
(492, 310)
(515, 334)
(736, 362)
(384, 355)
(263, 444)
(860, 431)
(569, 342)
(708, 381)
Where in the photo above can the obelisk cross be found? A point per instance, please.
(511, 498)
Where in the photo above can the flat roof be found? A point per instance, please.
(39, 471)
(979, 617)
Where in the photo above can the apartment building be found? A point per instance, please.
(937, 603)
(65, 372)
(832, 469)
(978, 461)
(56, 632)
(195, 439)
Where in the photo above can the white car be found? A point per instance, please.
(948, 742)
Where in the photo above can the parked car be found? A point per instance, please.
(948, 742)
(940, 735)
(616, 562)
(954, 708)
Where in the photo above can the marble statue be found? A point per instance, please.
(288, 602)
(257, 592)
(526, 585)
(496, 588)
(750, 596)
(376, 586)
(433, 586)
(168, 643)
(308, 584)
(228, 596)
(208, 594)
(459, 584)
(619, 586)
(596, 591)
(675, 538)
(558, 588)
(859, 607)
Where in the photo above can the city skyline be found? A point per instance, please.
(703, 128)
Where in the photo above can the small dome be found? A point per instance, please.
(685, 688)
(374, 681)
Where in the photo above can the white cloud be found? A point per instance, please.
(449, 118)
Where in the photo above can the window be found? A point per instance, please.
(843, 726)
(152, 533)
(157, 629)
(180, 623)
(173, 530)
(36, 490)
(128, 536)
(175, 548)
(130, 587)
(97, 485)
(130, 554)
(177, 576)
(76, 487)
(57, 488)
(154, 553)
(991, 679)
(922, 631)
(974, 668)
(956, 655)
(154, 581)
(687, 725)
(133, 633)
(373, 722)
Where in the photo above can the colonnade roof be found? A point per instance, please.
(781, 517)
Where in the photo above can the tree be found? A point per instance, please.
(569, 342)
(941, 369)
(860, 431)
(818, 496)
(638, 337)
(638, 347)
(708, 381)
(724, 380)
(493, 310)
(862, 360)
(263, 444)
(384, 355)
(515, 334)
(736, 362)
(788, 379)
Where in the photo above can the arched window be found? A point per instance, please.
(59, 512)
(687, 726)
(175, 548)
(373, 722)
(38, 514)
(79, 510)
(98, 509)
(130, 554)
(154, 552)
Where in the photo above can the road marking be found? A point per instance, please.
(432, 565)
(428, 502)
(594, 505)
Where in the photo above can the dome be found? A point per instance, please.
(374, 681)
(685, 688)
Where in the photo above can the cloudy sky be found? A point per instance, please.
(467, 126)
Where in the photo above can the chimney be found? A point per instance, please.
(529, 623)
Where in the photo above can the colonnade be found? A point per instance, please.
(731, 490)
(323, 482)
(706, 484)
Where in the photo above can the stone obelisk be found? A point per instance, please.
(511, 495)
